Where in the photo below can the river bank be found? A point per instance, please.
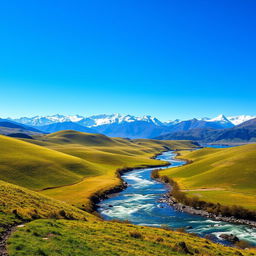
(139, 203)
(102, 195)
(171, 200)
(191, 210)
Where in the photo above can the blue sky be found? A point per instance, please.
(170, 58)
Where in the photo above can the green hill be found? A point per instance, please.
(74, 137)
(19, 204)
(37, 167)
(225, 176)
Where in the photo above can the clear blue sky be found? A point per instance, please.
(168, 58)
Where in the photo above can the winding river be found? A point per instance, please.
(139, 204)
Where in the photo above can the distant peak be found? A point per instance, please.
(219, 118)
(236, 120)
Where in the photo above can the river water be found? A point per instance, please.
(139, 204)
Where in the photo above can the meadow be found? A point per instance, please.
(226, 176)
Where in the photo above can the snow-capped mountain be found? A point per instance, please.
(118, 119)
(45, 120)
(236, 120)
(245, 132)
(172, 122)
(98, 120)
(222, 120)
(128, 125)
(150, 119)
(91, 121)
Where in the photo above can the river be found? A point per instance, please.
(139, 204)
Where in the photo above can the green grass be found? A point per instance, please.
(94, 238)
(226, 176)
(18, 204)
(37, 167)
(71, 231)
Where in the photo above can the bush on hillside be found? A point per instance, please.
(136, 234)
(155, 174)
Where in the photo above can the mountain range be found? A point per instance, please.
(15, 129)
(98, 120)
(129, 126)
(244, 132)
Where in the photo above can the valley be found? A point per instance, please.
(142, 203)
(50, 183)
(39, 163)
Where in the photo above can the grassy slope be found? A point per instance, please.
(18, 204)
(51, 237)
(36, 167)
(227, 175)
(61, 237)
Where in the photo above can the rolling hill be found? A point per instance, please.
(226, 176)
(36, 167)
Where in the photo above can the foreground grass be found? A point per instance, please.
(62, 237)
(18, 204)
(226, 176)
(70, 231)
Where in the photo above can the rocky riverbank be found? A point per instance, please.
(188, 209)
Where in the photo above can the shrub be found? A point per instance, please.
(159, 239)
(155, 174)
(165, 179)
(136, 234)
(182, 247)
